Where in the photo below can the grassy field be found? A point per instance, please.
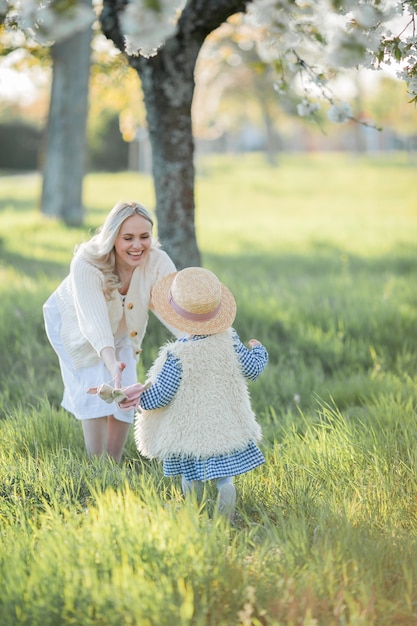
(321, 256)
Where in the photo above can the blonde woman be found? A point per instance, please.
(96, 320)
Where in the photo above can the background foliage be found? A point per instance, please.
(320, 254)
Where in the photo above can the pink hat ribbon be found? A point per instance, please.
(192, 317)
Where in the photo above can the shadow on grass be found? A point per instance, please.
(329, 310)
(22, 205)
(93, 215)
(322, 332)
(32, 267)
(322, 259)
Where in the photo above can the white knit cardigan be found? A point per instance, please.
(210, 413)
(90, 322)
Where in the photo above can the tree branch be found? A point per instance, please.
(109, 22)
(198, 19)
(204, 16)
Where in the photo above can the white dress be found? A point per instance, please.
(76, 400)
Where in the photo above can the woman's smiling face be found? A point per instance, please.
(133, 242)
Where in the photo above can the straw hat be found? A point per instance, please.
(194, 300)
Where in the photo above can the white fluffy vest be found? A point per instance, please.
(211, 412)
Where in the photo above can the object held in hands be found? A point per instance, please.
(127, 397)
(107, 393)
(132, 395)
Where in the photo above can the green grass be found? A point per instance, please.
(320, 254)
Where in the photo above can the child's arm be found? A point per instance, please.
(165, 387)
(253, 360)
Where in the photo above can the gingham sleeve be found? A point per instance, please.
(165, 387)
(253, 361)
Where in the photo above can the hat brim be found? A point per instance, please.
(222, 321)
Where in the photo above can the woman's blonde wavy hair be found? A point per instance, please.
(99, 250)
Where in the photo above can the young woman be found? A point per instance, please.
(96, 320)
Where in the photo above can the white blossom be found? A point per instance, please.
(412, 86)
(45, 24)
(305, 108)
(349, 49)
(261, 13)
(340, 113)
(268, 51)
(280, 87)
(304, 39)
(366, 15)
(146, 29)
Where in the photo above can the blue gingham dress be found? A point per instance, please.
(253, 363)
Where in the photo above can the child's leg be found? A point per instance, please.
(190, 485)
(225, 480)
(226, 499)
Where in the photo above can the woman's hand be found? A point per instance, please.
(132, 395)
(115, 367)
(116, 370)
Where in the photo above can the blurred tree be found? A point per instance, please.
(234, 87)
(167, 80)
(64, 161)
(64, 156)
(114, 113)
(305, 44)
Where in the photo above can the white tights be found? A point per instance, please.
(197, 485)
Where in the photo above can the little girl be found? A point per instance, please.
(196, 414)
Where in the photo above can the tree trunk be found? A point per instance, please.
(168, 86)
(65, 151)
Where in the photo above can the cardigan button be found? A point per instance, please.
(133, 333)
(130, 305)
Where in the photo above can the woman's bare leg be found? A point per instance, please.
(95, 435)
(117, 434)
(105, 435)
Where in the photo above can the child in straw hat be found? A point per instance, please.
(196, 414)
